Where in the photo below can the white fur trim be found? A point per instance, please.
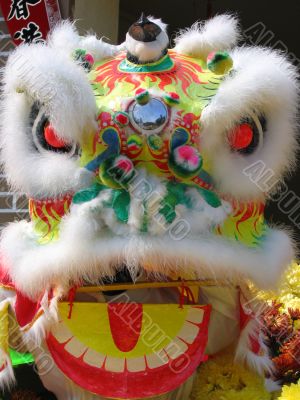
(272, 386)
(260, 364)
(34, 336)
(100, 49)
(7, 377)
(218, 33)
(158, 22)
(65, 37)
(263, 82)
(86, 251)
(62, 87)
(52, 79)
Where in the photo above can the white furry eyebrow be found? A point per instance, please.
(219, 33)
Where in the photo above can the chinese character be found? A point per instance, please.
(30, 34)
(19, 8)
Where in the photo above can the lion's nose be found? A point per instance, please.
(144, 30)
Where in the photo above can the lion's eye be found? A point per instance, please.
(247, 136)
(52, 138)
(45, 137)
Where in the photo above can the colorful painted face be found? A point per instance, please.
(149, 127)
(149, 161)
(154, 165)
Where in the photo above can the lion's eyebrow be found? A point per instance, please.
(219, 33)
(261, 80)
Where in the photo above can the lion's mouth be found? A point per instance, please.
(127, 350)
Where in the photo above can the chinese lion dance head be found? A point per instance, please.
(140, 160)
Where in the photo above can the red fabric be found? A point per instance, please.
(5, 279)
(124, 385)
(255, 346)
(25, 309)
(71, 298)
(125, 324)
(30, 19)
(244, 318)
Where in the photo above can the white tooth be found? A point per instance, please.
(136, 364)
(93, 358)
(157, 359)
(114, 364)
(176, 348)
(75, 347)
(61, 333)
(195, 315)
(188, 332)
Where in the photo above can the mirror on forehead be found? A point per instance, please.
(150, 117)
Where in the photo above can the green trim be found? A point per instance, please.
(20, 358)
(88, 194)
(120, 203)
(163, 65)
(210, 197)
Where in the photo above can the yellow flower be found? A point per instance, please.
(221, 379)
(291, 392)
(289, 291)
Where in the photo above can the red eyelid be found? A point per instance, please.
(52, 138)
(241, 136)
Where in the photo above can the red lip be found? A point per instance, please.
(127, 384)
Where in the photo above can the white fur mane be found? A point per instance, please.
(218, 33)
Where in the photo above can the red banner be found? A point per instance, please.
(30, 20)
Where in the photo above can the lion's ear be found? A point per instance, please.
(219, 33)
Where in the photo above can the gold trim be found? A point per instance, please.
(149, 285)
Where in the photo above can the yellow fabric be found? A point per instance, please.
(3, 331)
(90, 325)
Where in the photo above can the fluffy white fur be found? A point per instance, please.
(66, 39)
(7, 377)
(34, 335)
(260, 364)
(51, 78)
(264, 82)
(39, 73)
(218, 33)
(149, 51)
(87, 250)
(40, 175)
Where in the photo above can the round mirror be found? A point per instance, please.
(150, 117)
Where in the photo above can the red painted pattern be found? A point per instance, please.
(187, 72)
(133, 385)
(45, 208)
(125, 324)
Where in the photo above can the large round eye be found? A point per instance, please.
(247, 136)
(44, 136)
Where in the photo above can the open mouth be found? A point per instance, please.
(131, 350)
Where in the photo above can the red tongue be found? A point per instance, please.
(125, 324)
